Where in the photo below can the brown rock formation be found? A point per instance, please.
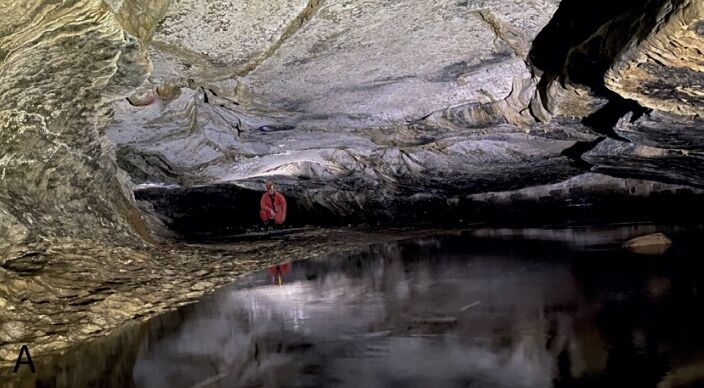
(61, 65)
(651, 244)
(662, 65)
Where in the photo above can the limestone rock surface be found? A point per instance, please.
(662, 67)
(637, 160)
(61, 65)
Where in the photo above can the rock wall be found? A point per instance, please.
(61, 65)
(661, 67)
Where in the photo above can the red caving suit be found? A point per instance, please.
(278, 205)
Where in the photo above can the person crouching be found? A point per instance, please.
(273, 206)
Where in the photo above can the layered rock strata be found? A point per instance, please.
(61, 65)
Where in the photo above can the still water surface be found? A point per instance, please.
(494, 308)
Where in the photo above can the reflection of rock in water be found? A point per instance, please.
(429, 314)
(98, 363)
(395, 313)
(450, 312)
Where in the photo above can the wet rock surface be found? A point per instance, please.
(77, 290)
(433, 310)
(653, 244)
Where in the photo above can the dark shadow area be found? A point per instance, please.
(224, 212)
(216, 210)
(583, 37)
(587, 208)
(604, 120)
(221, 211)
(579, 46)
(572, 24)
(577, 150)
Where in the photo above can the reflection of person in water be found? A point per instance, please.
(277, 273)
(273, 206)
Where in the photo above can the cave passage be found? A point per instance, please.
(576, 47)
(223, 212)
(480, 193)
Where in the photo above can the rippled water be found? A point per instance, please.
(496, 308)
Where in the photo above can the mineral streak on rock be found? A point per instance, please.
(662, 67)
(223, 38)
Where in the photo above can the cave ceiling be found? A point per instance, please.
(338, 91)
(389, 93)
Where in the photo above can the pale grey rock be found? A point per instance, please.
(433, 55)
(636, 160)
(189, 141)
(664, 130)
(580, 186)
(297, 96)
(229, 33)
(220, 40)
(311, 58)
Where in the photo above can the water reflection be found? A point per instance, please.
(445, 312)
(278, 272)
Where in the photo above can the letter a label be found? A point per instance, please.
(24, 354)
